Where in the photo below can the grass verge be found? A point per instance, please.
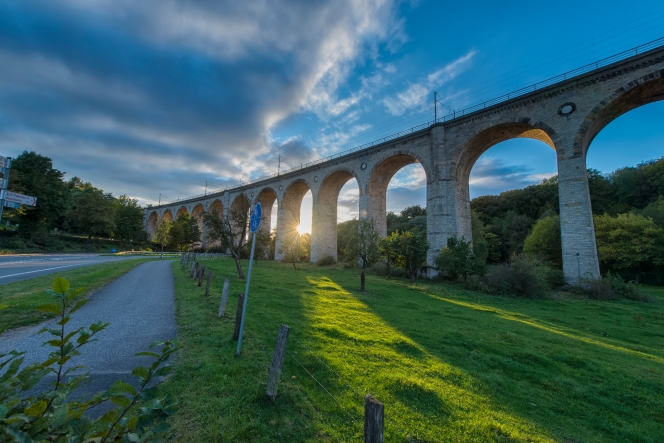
(24, 296)
(449, 364)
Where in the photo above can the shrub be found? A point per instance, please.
(458, 258)
(523, 276)
(58, 414)
(610, 287)
(326, 261)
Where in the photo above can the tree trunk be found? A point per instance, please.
(413, 276)
(362, 281)
(162, 251)
(294, 265)
(238, 265)
(389, 271)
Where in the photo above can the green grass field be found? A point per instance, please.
(449, 364)
(23, 297)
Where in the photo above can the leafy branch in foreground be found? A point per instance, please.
(139, 415)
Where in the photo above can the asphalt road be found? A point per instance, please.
(23, 266)
(140, 307)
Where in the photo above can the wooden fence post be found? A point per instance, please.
(224, 297)
(201, 273)
(207, 287)
(238, 317)
(373, 420)
(277, 362)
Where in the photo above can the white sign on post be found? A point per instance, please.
(18, 198)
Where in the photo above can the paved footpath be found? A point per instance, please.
(140, 307)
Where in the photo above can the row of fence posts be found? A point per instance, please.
(373, 409)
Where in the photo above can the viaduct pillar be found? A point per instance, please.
(576, 219)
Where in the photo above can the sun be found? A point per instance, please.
(301, 229)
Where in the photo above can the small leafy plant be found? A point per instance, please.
(139, 414)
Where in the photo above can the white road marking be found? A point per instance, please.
(40, 270)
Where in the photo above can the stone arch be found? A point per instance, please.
(182, 210)
(491, 136)
(376, 187)
(153, 219)
(482, 141)
(267, 196)
(288, 213)
(217, 206)
(240, 203)
(197, 214)
(167, 215)
(640, 92)
(324, 228)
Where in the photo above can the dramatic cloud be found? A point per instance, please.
(142, 97)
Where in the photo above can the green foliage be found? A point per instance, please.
(363, 246)
(93, 213)
(610, 287)
(410, 218)
(33, 174)
(184, 233)
(512, 230)
(345, 231)
(458, 258)
(411, 251)
(389, 251)
(544, 240)
(162, 233)
(328, 260)
(628, 243)
(523, 276)
(230, 230)
(128, 219)
(57, 414)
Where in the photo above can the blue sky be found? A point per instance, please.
(161, 96)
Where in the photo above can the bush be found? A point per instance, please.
(523, 276)
(326, 261)
(458, 258)
(59, 414)
(610, 287)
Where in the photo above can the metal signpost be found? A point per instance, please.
(254, 222)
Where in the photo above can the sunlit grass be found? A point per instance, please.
(449, 364)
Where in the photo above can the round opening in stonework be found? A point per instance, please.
(363, 166)
(316, 178)
(281, 187)
(252, 194)
(566, 108)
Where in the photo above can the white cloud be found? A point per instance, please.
(417, 94)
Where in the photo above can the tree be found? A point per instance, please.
(93, 213)
(33, 174)
(412, 248)
(230, 230)
(628, 243)
(345, 231)
(161, 235)
(128, 219)
(292, 247)
(388, 248)
(262, 249)
(458, 258)
(544, 240)
(190, 232)
(363, 245)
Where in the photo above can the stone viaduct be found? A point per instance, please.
(565, 112)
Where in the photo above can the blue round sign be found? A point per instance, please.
(255, 219)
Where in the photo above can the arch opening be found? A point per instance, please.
(153, 220)
(167, 215)
(412, 179)
(626, 186)
(511, 185)
(180, 212)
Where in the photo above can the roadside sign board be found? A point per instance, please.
(8, 204)
(255, 219)
(18, 198)
(3, 162)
